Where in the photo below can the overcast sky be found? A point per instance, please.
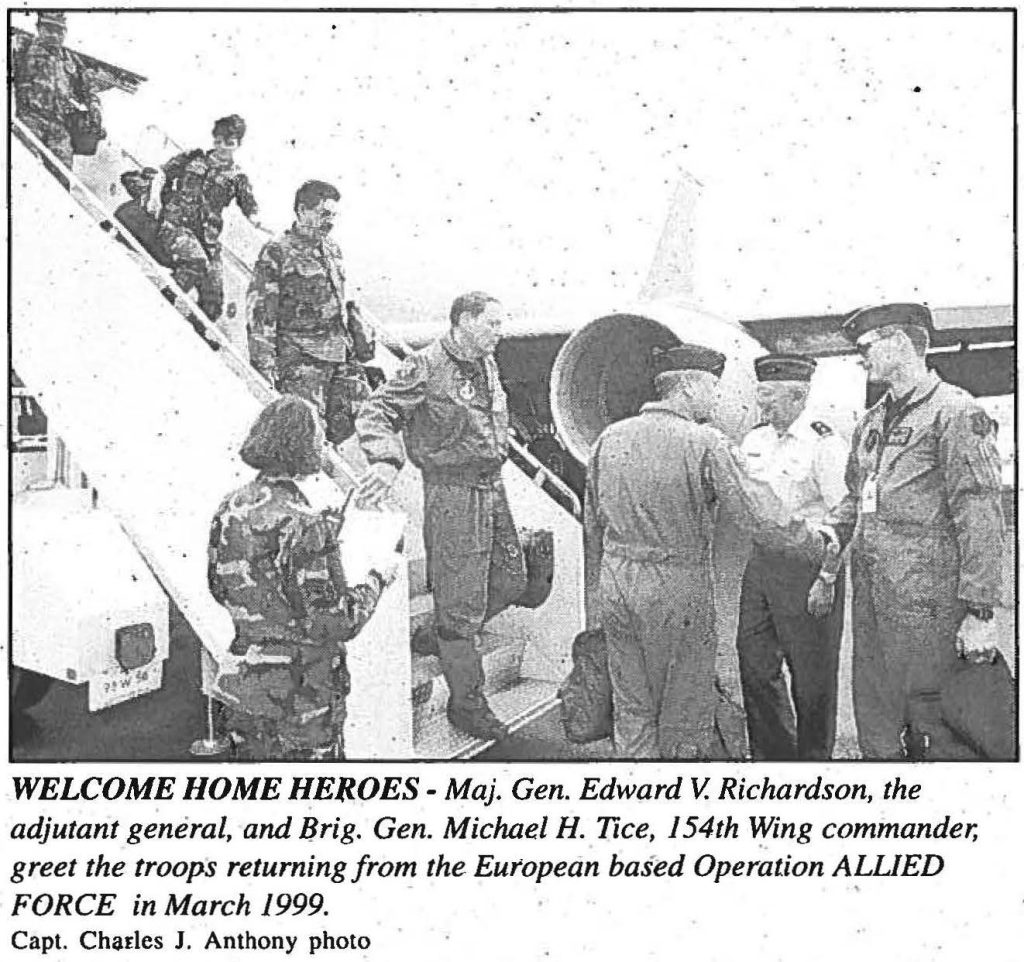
(845, 157)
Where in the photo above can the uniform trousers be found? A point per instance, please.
(195, 265)
(658, 619)
(906, 615)
(54, 135)
(475, 562)
(775, 630)
(288, 711)
(336, 390)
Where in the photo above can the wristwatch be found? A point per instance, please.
(981, 612)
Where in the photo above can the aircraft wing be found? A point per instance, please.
(972, 346)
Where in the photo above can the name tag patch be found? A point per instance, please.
(900, 436)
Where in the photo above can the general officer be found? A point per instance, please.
(197, 187)
(804, 462)
(656, 485)
(274, 564)
(303, 336)
(52, 89)
(923, 515)
(450, 406)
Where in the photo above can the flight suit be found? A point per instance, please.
(924, 488)
(50, 86)
(453, 415)
(656, 486)
(274, 564)
(302, 337)
(805, 468)
(197, 187)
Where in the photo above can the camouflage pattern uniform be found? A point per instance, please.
(301, 334)
(454, 416)
(197, 188)
(274, 565)
(655, 486)
(928, 543)
(50, 86)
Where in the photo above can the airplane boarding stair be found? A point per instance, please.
(525, 654)
(131, 389)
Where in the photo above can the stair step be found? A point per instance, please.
(502, 663)
(516, 706)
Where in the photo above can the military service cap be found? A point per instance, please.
(52, 18)
(784, 367)
(689, 357)
(871, 318)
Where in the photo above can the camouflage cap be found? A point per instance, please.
(784, 367)
(689, 357)
(52, 18)
(866, 319)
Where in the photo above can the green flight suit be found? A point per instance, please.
(927, 543)
(656, 485)
(453, 415)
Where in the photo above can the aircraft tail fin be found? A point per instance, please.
(671, 275)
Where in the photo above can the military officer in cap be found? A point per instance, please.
(52, 89)
(924, 522)
(656, 484)
(804, 462)
(197, 186)
(448, 403)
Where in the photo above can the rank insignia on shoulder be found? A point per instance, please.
(821, 428)
(981, 423)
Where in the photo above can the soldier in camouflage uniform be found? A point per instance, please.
(197, 186)
(924, 520)
(50, 88)
(274, 564)
(303, 336)
(448, 402)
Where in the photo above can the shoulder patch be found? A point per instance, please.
(407, 369)
(981, 423)
(821, 428)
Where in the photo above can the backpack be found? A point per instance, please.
(586, 695)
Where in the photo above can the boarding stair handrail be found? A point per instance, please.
(541, 474)
(162, 279)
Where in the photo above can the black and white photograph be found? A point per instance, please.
(512, 385)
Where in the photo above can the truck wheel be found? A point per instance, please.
(28, 688)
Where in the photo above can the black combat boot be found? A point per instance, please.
(468, 710)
